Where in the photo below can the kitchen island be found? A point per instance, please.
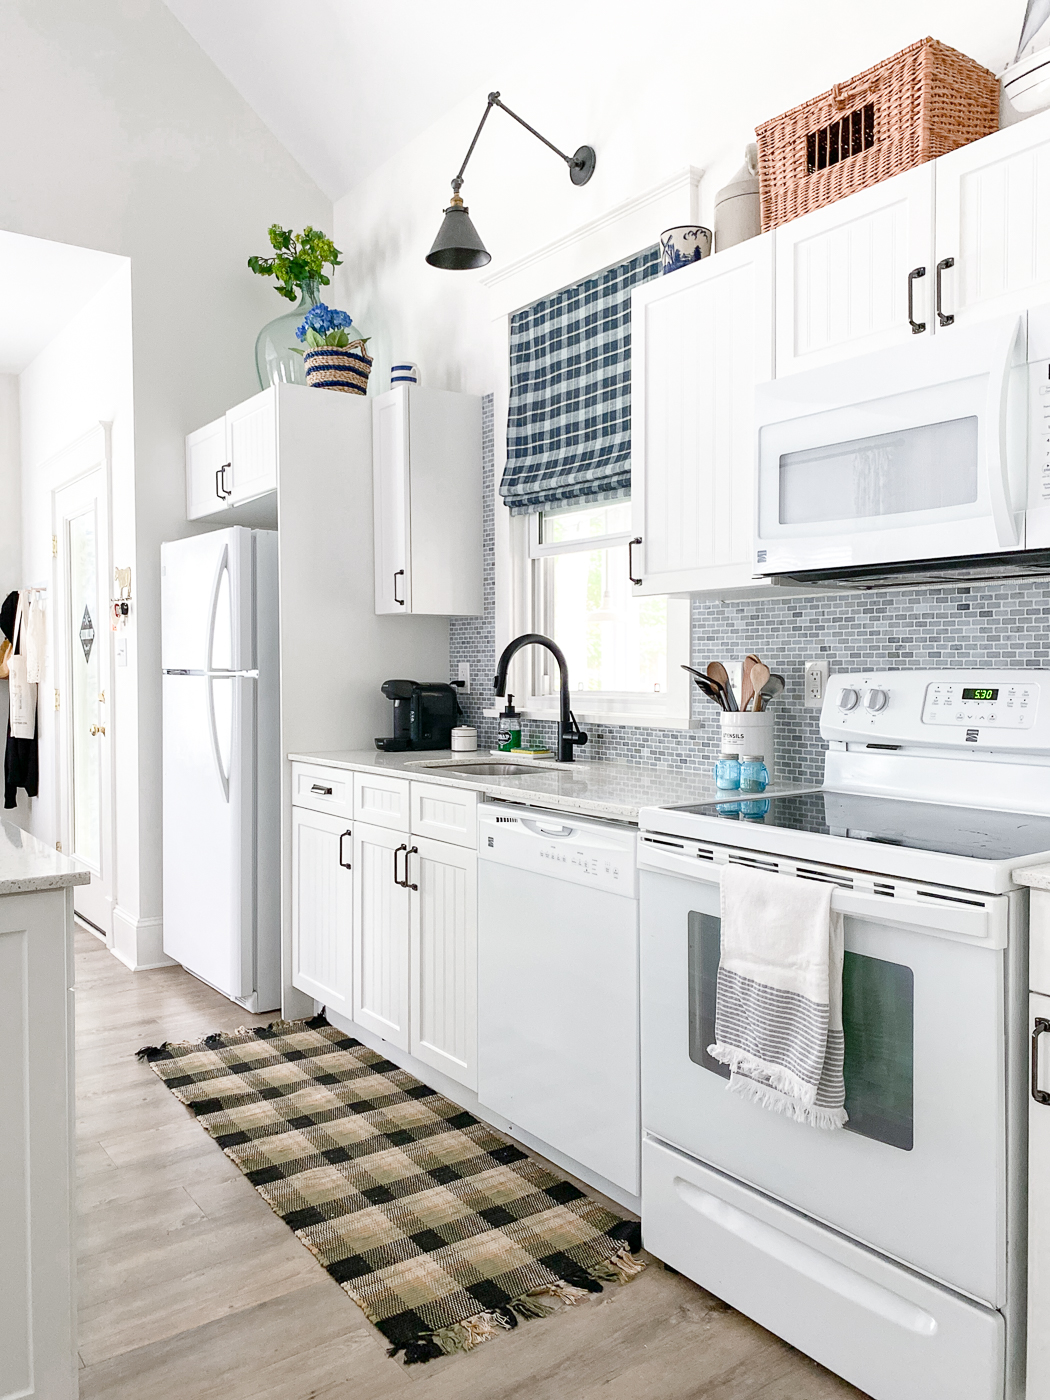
(38, 1354)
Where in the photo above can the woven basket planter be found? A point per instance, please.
(342, 367)
(921, 103)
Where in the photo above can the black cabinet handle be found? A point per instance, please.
(1041, 1025)
(412, 851)
(397, 880)
(398, 573)
(630, 558)
(942, 319)
(344, 863)
(218, 484)
(917, 327)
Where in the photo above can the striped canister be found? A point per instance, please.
(342, 367)
(404, 372)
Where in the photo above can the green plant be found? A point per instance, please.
(298, 259)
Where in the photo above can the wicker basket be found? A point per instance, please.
(924, 101)
(342, 367)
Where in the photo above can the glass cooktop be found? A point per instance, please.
(921, 826)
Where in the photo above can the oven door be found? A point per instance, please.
(920, 1173)
(916, 455)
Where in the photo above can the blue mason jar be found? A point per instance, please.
(754, 775)
(727, 772)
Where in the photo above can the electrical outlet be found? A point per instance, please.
(464, 676)
(815, 683)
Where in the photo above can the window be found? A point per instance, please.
(624, 653)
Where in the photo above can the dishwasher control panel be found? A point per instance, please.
(601, 855)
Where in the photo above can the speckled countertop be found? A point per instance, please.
(615, 791)
(1036, 877)
(27, 864)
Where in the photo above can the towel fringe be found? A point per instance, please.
(777, 1102)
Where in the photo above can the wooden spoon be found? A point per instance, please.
(718, 673)
(747, 689)
(759, 676)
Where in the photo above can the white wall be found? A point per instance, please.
(653, 93)
(124, 137)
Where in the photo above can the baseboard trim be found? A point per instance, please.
(139, 943)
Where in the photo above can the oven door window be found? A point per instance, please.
(878, 1007)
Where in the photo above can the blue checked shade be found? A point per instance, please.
(569, 423)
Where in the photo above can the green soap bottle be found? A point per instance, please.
(509, 728)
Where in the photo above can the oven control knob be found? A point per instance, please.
(876, 700)
(848, 699)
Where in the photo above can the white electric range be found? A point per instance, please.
(892, 1252)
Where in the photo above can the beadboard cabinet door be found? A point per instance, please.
(444, 991)
(843, 273)
(322, 908)
(381, 932)
(206, 463)
(251, 447)
(993, 224)
(1038, 1384)
(702, 339)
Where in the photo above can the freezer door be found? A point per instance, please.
(207, 601)
(209, 847)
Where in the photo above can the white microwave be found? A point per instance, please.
(932, 458)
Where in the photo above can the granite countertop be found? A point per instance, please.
(1036, 877)
(593, 787)
(27, 864)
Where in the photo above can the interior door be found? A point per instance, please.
(919, 1156)
(844, 274)
(84, 685)
(381, 932)
(390, 490)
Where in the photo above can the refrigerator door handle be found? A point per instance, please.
(213, 610)
(213, 731)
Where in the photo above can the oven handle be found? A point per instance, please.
(1040, 1025)
(997, 439)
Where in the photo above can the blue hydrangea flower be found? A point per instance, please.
(322, 319)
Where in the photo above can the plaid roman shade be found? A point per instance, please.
(569, 423)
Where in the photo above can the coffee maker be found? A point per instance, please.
(425, 713)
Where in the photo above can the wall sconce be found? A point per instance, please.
(457, 245)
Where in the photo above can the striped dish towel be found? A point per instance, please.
(778, 1019)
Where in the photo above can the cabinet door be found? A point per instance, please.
(322, 908)
(381, 799)
(205, 460)
(993, 221)
(1039, 1210)
(444, 1000)
(843, 273)
(391, 502)
(381, 918)
(251, 445)
(702, 338)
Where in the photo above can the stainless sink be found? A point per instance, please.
(483, 770)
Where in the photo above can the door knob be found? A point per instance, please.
(97, 729)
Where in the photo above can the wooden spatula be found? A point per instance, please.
(747, 689)
(759, 676)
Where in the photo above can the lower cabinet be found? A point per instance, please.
(322, 908)
(415, 947)
(1038, 1387)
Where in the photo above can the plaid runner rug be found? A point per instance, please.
(441, 1229)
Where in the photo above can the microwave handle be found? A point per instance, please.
(1003, 512)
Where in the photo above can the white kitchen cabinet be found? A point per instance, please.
(993, 222)
(206, 461)
(843, 273)
(322, 908)
(702, 339)
(233, 459)
(426, 462)
(1038, 1384)
(381, 800)
(444, 963)
(445, 813)
(381, 932)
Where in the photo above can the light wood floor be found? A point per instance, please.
(191, 1289)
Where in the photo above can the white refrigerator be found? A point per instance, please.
(222, 769)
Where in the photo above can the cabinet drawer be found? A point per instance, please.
(381, 800)
(323, 789)
(445, 813)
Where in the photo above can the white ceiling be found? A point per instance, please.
(42, 287)
(343, 84)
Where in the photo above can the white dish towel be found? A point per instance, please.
(778, 1017)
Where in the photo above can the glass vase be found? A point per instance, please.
(276, 361)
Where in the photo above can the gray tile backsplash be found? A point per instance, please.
(1000, 624)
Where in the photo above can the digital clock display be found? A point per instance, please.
(976, 693)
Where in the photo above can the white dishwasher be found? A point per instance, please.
(558, 983)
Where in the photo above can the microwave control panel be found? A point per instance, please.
(895, 709)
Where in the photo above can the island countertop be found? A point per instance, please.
(27, 864)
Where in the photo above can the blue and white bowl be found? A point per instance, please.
(405, 372)
(683, 245)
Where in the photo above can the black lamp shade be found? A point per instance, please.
(457, 245)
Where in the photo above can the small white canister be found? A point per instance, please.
(744, 732)
(465, 739)
(404, 372)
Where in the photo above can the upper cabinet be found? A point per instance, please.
(855, 276)
(426, 462)
(701, 339)
(233, 459)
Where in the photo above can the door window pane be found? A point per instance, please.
(878, 1009)
(925, 468)
(84, 670)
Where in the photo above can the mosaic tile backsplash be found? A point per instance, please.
(1000, 624)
